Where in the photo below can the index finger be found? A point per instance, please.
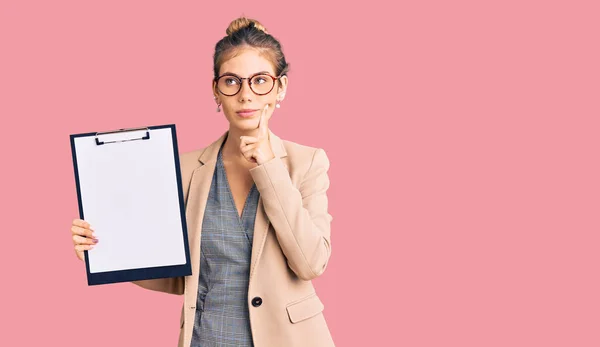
(75, 230)
(263, 123)
(82, 223)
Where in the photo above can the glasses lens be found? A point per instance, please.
(262, 84)
(229, 85)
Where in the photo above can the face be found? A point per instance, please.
(246, 64)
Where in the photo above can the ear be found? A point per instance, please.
(215, 91)
(282, 89)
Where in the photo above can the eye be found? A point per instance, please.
(230, 81)
(259, 80)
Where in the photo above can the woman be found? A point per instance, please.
(256, 210)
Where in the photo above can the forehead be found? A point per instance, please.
(246, 62)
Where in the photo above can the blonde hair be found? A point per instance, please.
(245, 33)
(243, 22)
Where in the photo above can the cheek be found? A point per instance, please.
(270, 99)
(228, 104)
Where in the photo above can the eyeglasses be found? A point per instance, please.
(260, 83)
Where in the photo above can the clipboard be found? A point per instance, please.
(129, 189)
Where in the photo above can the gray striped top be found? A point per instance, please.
(222, 317)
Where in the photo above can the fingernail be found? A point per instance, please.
(95, 240)
(94, 235)
(91, 228)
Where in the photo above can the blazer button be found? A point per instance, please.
(257, 301)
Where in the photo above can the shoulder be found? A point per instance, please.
(304, 157)
(191, 156)
(189, 160)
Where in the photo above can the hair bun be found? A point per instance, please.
(243, 22)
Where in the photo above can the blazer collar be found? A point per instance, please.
(212, 150)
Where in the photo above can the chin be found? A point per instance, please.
(245, 124)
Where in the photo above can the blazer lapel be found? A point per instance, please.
(196, 204)
(261, 223)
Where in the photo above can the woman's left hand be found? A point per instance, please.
(258, 149)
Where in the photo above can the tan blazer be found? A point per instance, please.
(291, 244)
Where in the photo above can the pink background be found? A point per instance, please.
(463, 140)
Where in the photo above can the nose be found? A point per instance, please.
(245, 91)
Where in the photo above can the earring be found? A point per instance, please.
(218, 105)
(277, 104)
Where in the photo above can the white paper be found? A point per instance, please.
(130, 198)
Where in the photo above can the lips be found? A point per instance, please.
(246, 112)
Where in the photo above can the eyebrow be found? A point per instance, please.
(256, 73)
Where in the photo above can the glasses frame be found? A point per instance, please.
(274, 78)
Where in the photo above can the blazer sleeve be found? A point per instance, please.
(174, 285)
(298, 215)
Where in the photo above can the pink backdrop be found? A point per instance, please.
(463, 140)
